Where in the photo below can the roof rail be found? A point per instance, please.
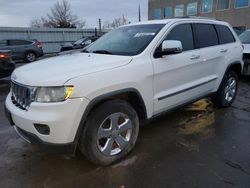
(199, 17)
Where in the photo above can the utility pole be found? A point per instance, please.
(139, 13)
(100, 26)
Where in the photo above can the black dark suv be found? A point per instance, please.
(28, 50)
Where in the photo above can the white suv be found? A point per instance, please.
(96, 99)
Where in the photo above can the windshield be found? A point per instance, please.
(79, 41)
(245, 37)
(129, 40)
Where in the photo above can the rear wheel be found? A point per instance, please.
(110, 133)
(30, 57)
(227, 92)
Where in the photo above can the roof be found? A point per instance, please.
(165, 21)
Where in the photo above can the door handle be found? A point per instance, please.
(193, 57)
(223, 50)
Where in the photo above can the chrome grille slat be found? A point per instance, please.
(21, 95)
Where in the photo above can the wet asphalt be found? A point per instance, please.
(195, 146)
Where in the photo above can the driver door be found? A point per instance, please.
(177, 76)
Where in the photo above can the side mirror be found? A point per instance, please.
(169, 47)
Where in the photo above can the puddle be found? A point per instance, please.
(196, 124)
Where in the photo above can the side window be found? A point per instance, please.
(206, 35)
(3, 43)
(184, 34)
(225, 35)
(18, 42)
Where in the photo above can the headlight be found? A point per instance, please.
(53, 94)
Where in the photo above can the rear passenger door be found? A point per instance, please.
(228, 48)
(18, 48)
(212, 54)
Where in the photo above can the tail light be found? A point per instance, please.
(4, 56)
(38, 44)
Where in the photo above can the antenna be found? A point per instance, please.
(139, 13)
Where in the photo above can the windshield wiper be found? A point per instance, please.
(102, 52)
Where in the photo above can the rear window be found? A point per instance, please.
(19, 42)
(225, 35)
(206, 35)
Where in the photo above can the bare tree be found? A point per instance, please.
(117, 22)
(60, 17)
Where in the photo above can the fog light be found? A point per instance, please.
(42, 129)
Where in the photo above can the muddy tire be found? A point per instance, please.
(228, 90)
(110, 133)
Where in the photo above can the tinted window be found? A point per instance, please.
(3, 43)
(206, 35)
(184, 34)
(225, 35)
(19, 42)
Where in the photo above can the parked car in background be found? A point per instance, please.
(6, 64)
(27, 50)
(79, 44)
(245, 39)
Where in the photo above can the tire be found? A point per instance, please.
(227, 92)
(104, 143)
(30, 57)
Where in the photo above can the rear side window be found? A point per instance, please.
(3, 43)
(19, 42)
(184, 34)
(206, 35)
(225, 35)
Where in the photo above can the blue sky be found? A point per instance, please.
(19, 13)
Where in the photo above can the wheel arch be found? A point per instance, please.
(235, 66)
(131, 95)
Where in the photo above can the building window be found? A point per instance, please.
(241, 3)
(168, 12)
(223, 4)
(206, 6)
(179, 10)
(192, 9)
(157, 14)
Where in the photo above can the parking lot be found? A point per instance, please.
(196, 146)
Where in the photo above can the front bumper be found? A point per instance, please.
(63, 120)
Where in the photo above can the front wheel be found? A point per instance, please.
(227, 92)
(110, 133)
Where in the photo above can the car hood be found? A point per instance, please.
(246, 48)
(56, 71)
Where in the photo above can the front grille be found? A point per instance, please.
(21, 95)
